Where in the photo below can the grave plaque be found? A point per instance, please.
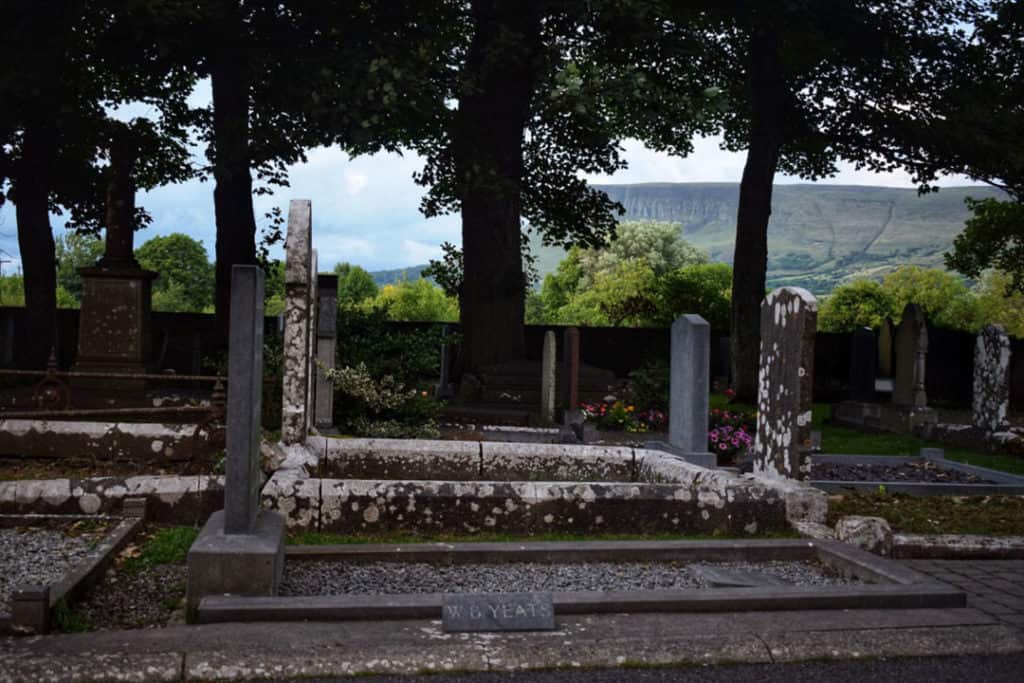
(498, 612)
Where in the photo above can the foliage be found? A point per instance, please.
(621, 417)
(649, 385)
(409, 353)
(382, 407)
(992, 238)
(657, 243)
(186, 278)
(165, 545)
(355, 285)
(861, 303)
(999, 303)
(944, 298)
(702, 288)
(73, 251)
(416, 301)
(12, 290)
(730, 433)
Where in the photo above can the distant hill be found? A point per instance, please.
(819, 235)
(386, 277)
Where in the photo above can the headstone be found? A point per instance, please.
(298, 275)
(992, 379)
(326, 344)
(789, 320)
(240, 549)
(863, 355)
(245, 397)
(571, 369)
(911, 353)
(498, 612)
(311, 372)
(114, 322)
(886, 333)
(689, 385)
(443, 390)
(548, 377)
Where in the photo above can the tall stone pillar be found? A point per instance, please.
(992, 379)
(548, 376)
(114, 322)
(298, 275)
(789, 321)
(571, 369)
(911, 357)
(326, 345)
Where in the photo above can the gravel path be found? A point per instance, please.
(383, 578)
(37, 556)
(914, 472)
(143, 599)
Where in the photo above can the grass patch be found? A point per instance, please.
(71, 620)
(323, 538)
(167, 545)
(985, 515)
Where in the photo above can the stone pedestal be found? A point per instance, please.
(114, 324)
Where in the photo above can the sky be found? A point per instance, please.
(366, 209)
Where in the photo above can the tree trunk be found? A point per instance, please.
(493, 109)
(232, 196)
(35, 242)
(750, 261)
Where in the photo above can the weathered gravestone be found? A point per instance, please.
(498, 612)
(863, 355)
(789, 320)
(240, 549)
(571, 369)
(298, 276)
(326, 343)
(886, 332)
(911, 353)
(444, 390)
(548, 377)
(992, 379)
(114, 330)
(689, 384)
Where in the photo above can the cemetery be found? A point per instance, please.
(579, 439)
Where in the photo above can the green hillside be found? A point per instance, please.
(819, 235)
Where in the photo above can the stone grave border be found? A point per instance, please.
(895, 587)
(32, 605)
(1006, 483)
(684, 497)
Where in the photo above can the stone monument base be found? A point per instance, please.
(888, 417)
(238, 564)
(705, 459)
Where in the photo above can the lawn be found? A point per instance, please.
(986, 515)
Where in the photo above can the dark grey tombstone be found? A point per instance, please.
(863, 356)
(240, 549)
(689, 385)
(571, 369)
(789, 321)
(886, 334)
(498, 612)
(443, 390)
(326, 345)
(911, 354)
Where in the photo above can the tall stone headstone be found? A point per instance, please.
(314, 319)
(114, 323)
(571, 368)
(689, 386)
(992, 379)
(326, 345)
(886, 333)
(548, 377)
(443, 390)
(911, 351)
(863, 356)
(298, 276)
(240, 549)
(789, 321)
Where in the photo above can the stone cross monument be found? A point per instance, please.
(785, 381)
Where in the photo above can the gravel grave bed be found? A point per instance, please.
(41, 555)
(389, 578)
(147, 598)
(924, 472)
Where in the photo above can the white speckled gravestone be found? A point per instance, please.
(298, 275)
(548, 377)
(789, 320)
(992, 379)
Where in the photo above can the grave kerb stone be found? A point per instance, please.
(245, 394)
(689, 384)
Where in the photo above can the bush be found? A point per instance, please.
(382, 407)
(409, 353)
(649, 385)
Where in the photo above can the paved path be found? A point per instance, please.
(996, 587)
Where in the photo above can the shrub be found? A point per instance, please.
(382, 407)
(649, 385)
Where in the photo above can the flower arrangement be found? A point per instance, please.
(730, 433)
(615, 415)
